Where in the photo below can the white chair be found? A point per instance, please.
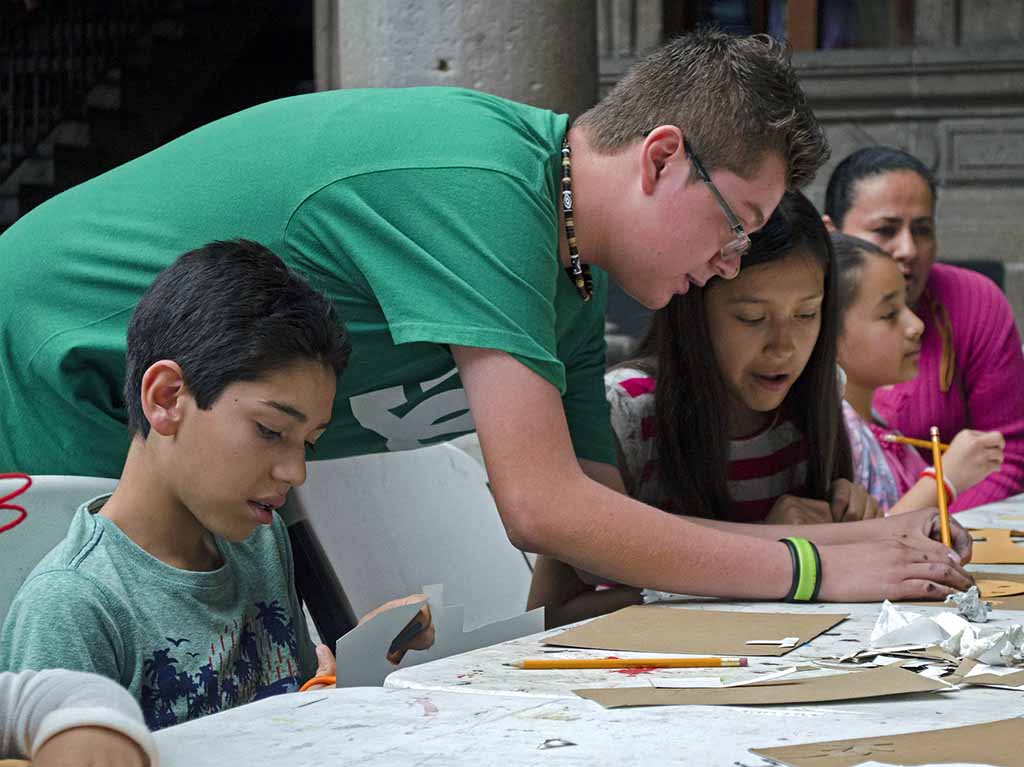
(50, 502)
(391, 523)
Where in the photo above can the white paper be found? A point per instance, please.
(693, 682)
(970, 605)
(678, 683)
(984, 668)
(361, 653)
(898, 627)
(786, 642)
(987, 644)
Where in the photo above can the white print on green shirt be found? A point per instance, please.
(433, 417)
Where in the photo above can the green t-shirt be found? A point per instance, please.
(428, 216)
(184, 643)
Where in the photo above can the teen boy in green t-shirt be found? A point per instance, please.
(179, 585)
(432, 220)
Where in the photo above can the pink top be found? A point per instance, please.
(988, 386)
(887, 469)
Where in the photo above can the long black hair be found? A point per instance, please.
(691, 403)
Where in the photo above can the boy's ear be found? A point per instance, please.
(662, 146)
(163, 388)
(830, 225)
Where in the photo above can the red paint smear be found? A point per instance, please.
(634, 671)
(630, 671)
(13, 506)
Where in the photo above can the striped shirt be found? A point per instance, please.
(762, 467)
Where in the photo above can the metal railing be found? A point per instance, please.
(51, 53)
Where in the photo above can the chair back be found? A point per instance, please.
(49, 503)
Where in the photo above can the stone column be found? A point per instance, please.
(540, 52)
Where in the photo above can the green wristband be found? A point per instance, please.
(806, 570)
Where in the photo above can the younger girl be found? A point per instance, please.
(880, 345)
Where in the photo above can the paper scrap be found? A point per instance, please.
(856, 685)
(898, 627)
(686, 631)
(691, 683)
(983, 668)
(996, 744)
(361, 653)
(970, 605)
(786, 642)
(705, 682)
(995, 646)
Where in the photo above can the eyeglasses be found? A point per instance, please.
(740, 242)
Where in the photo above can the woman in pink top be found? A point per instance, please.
(971, 365)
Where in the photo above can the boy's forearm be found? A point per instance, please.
(646, 547)
(821, 534)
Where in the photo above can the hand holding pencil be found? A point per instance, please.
(968, 459)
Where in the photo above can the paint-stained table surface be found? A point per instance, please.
(382, 727)
(472, 709)
(486, 670)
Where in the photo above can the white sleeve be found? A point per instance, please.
(36, 705)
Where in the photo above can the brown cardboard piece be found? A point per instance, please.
(992, 546)
(992, 588)
(960, 676)
(993, 743)
(874, 683)
(653, 629)
(998, 588)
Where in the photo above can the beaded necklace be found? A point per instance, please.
(578, 273)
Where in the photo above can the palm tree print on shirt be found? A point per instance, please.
(243, 662)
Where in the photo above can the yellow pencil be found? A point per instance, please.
(927, 443)
(940, 488)
(566, 663)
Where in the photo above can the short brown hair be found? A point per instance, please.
(734, 98)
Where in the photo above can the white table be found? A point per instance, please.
(429, 714)
(389, 727)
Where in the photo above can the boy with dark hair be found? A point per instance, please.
(179, 585)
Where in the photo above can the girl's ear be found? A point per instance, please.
(830, 225)
(163, 389)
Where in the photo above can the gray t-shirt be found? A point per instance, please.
(184, 643)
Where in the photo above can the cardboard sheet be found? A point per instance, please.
(653, 629)
(993, 743)
(1001, 589)
(993, 546)
(971, 672)
(874, 683)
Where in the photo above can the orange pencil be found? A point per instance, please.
(940, 488)
(554, 663)
(927, 443)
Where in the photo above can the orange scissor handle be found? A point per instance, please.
(329, 680)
